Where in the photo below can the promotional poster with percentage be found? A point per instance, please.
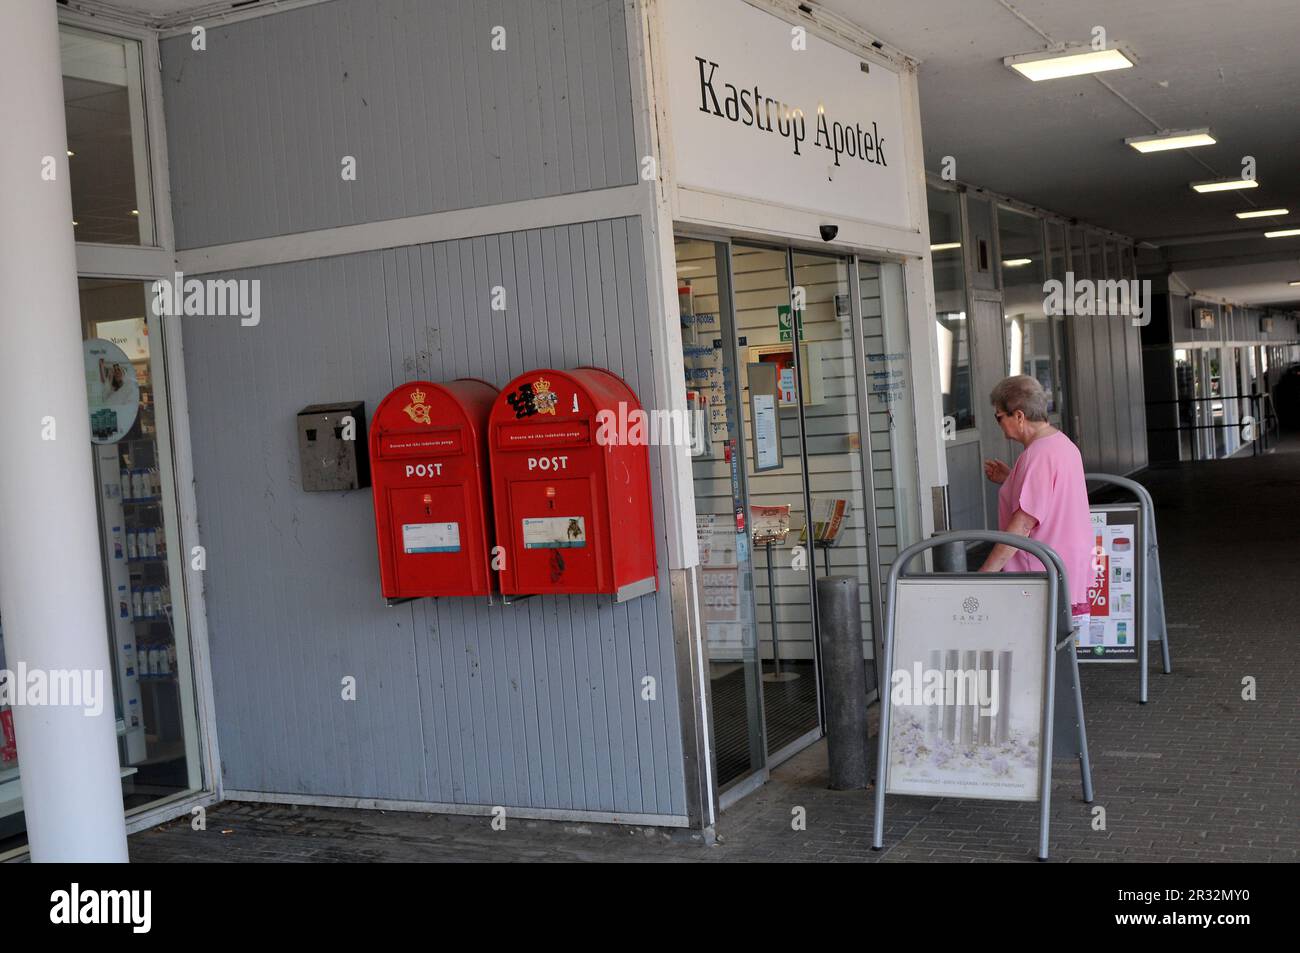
(1112, 634)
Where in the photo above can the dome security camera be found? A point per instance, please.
(829, 232)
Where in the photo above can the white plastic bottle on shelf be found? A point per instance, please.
(161, 665)
(151, 543)
(142, 661)
(137, 604)
(132, 545)
(126, 484)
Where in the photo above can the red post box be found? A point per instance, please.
(573, 513)
(428, 464)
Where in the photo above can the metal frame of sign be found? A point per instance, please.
(1059, 635)
(1131, 652)
(1151, 594)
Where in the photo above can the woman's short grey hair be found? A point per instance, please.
(1021, 392)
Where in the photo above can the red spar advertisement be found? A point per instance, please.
(1099, 590)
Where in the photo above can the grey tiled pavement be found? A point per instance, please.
(1198, 774)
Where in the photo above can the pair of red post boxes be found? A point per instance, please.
(452, 462)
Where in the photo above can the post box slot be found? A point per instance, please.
(570, 433)
(421, 444)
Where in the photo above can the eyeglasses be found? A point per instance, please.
(998, 417)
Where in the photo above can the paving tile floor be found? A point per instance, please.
(1199, 774)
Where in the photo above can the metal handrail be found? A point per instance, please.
(1266, 418)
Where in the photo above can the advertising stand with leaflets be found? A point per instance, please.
(976, 703)
(1126, 594)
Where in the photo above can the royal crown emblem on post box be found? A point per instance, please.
(544, 399)
(417, 409)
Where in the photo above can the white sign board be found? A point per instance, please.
(966, 690)
(753, 114)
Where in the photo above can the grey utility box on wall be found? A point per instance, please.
(329, 460)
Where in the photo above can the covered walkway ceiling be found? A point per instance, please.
(1231, 65)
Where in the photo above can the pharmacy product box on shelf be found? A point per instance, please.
(428, 462)
(571, 485)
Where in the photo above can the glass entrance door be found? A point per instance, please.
(777, 380)
(795, 364)
(721, 514)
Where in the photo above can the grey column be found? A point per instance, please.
(51, 583)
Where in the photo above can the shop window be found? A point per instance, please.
(1028, 332)
(151, 674)
(108, 149)
(952, 337)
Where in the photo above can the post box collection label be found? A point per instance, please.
(549, 532)
(431, 537)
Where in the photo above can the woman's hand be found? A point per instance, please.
(996, 471)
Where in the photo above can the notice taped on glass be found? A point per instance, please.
(555, 532)
(1114, 629)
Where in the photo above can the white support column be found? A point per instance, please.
(51, 586)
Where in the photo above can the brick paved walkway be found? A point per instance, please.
(1196, 775)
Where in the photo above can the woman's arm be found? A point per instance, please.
(1021, 524)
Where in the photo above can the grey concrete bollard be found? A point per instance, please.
(949, 557)
(844, 674)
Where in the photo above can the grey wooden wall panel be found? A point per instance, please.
(258, 123)
(536, 704)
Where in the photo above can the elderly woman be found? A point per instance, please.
(1044, 496)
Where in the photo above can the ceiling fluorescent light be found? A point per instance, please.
(1264, 213)
(945, 246)
(1224, 185)
(1163, 141)
(1016, 262)
(1073, 61)
(1284, 233)
(1294, 284)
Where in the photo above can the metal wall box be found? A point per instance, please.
(329, 462)
(572, 505)
(428, 448)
